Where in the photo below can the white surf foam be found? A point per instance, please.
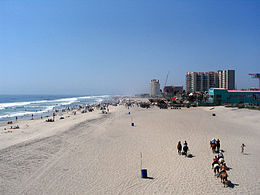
(47, 109)
(17, 104)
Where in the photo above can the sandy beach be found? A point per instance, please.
(95, 153)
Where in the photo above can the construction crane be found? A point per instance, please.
(256, 76)
(166, 78)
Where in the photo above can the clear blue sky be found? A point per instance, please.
(117, 47)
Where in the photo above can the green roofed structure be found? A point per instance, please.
(223, 96)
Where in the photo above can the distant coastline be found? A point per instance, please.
(27, 106)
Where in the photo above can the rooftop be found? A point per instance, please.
(243, 91)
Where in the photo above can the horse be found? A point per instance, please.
(179, 147)
(185, 150)
(216, 168)
(223, 177)
(213, 146)
(221, 161)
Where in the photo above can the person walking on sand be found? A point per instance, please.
(243, 148)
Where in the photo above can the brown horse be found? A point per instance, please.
(223, 177)
(179, 148)
(213, 146)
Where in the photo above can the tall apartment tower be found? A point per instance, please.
(202, 81)
(226, 79)
(191, 84)
(155, 88)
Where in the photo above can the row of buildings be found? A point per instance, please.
(170, 91)
(219, 87)
(203, 81)
(197, 81)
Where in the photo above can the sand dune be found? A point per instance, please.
(100, 154)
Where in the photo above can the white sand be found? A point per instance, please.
(77, 156)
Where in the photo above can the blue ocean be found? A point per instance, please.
(24, 106)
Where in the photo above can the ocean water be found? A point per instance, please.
(23, 106)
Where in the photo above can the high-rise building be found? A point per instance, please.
(226, 79)
(155, 88)
(191, 77)
(202, 81)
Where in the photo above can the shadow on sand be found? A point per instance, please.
(228, 168)
(190, 156)
(232, 185)
(148, 178)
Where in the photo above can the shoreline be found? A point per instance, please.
(38, 127)
(44, 106)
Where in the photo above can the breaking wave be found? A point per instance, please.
(44, 105)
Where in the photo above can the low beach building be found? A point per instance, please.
(171, 91)
(224, 96)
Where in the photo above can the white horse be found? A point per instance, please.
(216, 168)
(221, 161)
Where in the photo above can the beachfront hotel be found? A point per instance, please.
(154, 88)
(203, 81)
(226, 79)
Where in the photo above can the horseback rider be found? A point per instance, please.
(220, 155)
(215, 161)
(179, 146)
(185, 148)
(213, 141)
(223, 169)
